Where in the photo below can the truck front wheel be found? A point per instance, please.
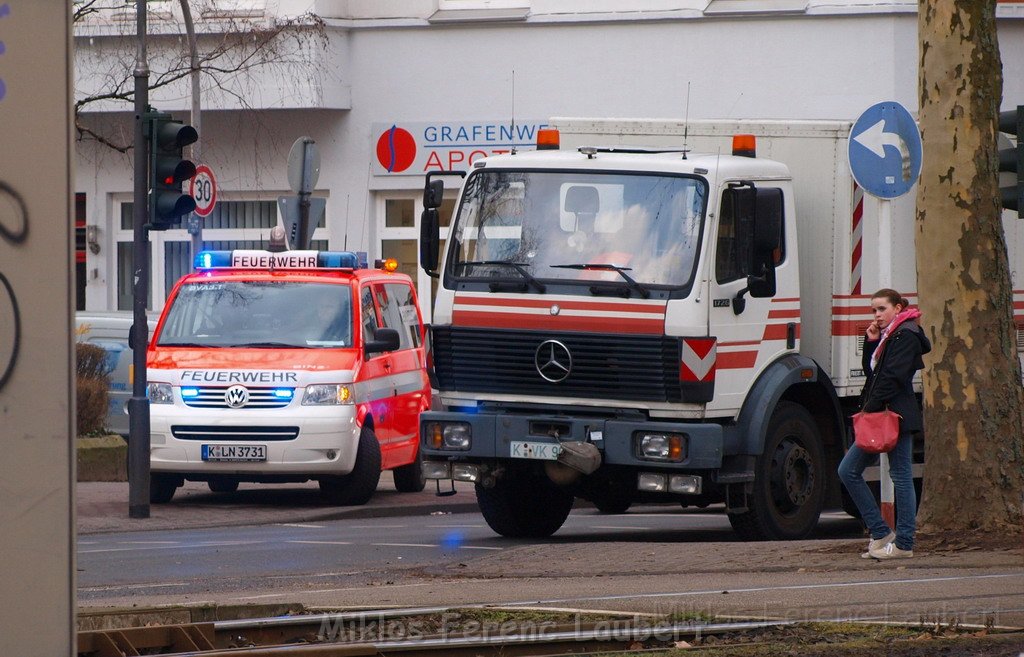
(789, 480)
(524, 504)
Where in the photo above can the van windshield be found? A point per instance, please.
(259, 314)
(568, 227)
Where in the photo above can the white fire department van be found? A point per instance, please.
(624, 325)
(285, 367)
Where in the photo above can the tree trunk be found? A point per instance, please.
(974, 402)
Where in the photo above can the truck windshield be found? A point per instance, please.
(549, 222)
(259, 314)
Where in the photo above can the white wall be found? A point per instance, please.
(826, 66)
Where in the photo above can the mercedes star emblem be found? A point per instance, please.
(555, 309)
(553, 361)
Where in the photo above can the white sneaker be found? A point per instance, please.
(878, 544)
(890, 551)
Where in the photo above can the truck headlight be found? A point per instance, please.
(326, 394)
(160, 393)
(660, 447)
(449, 435)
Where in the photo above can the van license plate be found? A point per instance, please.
(234, 452)
(538, 451)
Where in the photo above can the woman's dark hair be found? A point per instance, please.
(892, 296)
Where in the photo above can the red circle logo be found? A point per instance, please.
(396, 149)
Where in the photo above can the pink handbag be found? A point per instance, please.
(876, 433)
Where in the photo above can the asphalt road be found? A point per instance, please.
(651, 559)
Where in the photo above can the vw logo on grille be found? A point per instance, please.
(553, 361)
(236, 396)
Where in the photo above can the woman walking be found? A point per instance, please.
(893, 348)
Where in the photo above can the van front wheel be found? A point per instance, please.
(357, 487)
(162, 487)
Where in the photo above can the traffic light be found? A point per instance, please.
(1012, 159)
(168, 170)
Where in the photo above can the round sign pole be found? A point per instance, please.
(885, 153)
(202, 188)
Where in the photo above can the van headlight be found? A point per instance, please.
(160, 393)
(327, 394)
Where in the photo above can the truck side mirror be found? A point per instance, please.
(768, 219)
(429, 239)
(433, 194)
(767, 240)
(384, 339)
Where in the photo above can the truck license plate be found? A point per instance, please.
(539, 451)
(234, 452)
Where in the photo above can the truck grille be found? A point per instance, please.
(243, 433)
(213, 397)
(630, 367)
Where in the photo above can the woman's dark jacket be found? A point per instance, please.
(891, 382)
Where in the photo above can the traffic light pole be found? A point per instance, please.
(138, 405)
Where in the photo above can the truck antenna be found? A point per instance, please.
(512, 127)
(686, 120)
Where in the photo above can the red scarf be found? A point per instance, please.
(906, 315)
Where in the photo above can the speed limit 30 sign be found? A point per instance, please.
(203, 188)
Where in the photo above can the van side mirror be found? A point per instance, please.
(384, 339)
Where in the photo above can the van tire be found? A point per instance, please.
(162, 487)
(524, 504)
(223, 485)
(409, 478)
(789, 480)
(357, 487)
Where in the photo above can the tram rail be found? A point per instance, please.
(318, 635)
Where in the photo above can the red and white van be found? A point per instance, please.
(285, 367)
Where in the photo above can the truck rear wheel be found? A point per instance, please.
(357, 487)
(524, 504)
(409, 478)
(789, 480)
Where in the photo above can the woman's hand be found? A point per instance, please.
(873, 332)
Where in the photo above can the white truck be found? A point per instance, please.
(625, 325)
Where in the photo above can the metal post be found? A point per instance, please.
(195, 222)
(138, 405)
(886, 493)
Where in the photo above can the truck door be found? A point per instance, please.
(747, 326)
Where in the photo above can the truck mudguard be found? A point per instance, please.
(817, 395)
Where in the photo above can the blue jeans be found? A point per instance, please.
(851, 473)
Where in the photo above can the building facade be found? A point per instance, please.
(393, 89)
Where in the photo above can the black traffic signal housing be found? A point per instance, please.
(1012, 159)
(168, 170)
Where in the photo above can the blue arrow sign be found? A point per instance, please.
(885, 150)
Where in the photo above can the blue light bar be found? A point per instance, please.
(340, 259)
(211, 259)
(189, 393)
(284, 393)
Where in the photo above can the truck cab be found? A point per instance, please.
(623, 325)
(284, 367)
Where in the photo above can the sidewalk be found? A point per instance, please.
(103, 506)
